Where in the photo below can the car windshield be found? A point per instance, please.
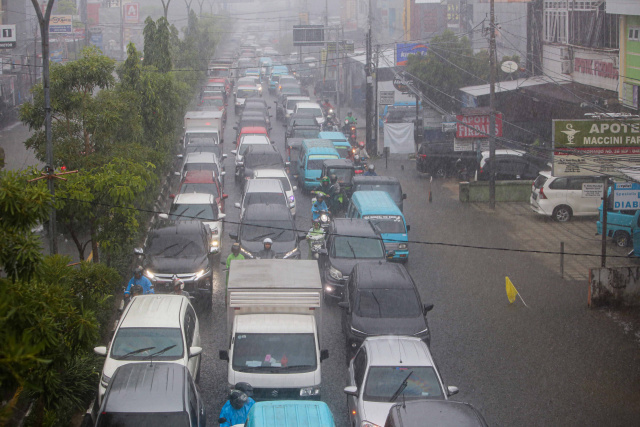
(306, 121)
(246, 143)
(344, 152)
(291, 90)
(143, 419)
(315, 162)
(304, 133)
(540, 181)
(387, 223)
(264, 160)
(387, 303)
(202, 137)
(200, 167)
(204, 148)
(316, 112)
(278, 231)
(357, 247)
(266, 198)
(344, 175)
(219, 72)
(274, 353)
(246, 93)
(175, 245)
(208, 188)
(146, 343)
(393, 189)
(187, 212)
(215, 102)
(291, 104)
(384, 381)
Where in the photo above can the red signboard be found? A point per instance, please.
(477, 126)
(131, 13)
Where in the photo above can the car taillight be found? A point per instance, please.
(541, 195)
(423, 156)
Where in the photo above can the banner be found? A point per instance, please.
(399, 138)
(60, 24)
(477, 126)
(403, 50)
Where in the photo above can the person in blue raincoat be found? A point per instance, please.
(318, 206)
(139, 279)
(236, 409)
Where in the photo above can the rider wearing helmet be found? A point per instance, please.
(350, 119)
(335, 193)
(267, 252)
(315, 236)
(319, 206)
(139, 279)
(371, 171)
(361, 151)
(236, 409)
(178, 286)
(234, 255)
(324, 184)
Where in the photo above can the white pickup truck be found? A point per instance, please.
(273, 319)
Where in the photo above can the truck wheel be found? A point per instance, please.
(562, 213)
(621, 239)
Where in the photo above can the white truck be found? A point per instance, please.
(274, 314)
(203, 118)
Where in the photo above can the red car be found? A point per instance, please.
(197, 181)
(251, 130)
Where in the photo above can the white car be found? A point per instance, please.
(161, 328)
(199, 207)
(310, 108)
(389, 369)
(290, 105)
(263, 191)
(281, 175)
(205, 161)
(562, 197)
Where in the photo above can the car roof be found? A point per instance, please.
(269, 173)
(382, 276)
(194, 199)
(247, 87)
(254, 129)
(505, 152)
(252, 138)
(182, 227)
(394, 350)
(154, 311)
(201, 157)
(373, 202)
(308, 105)
(203, 129)
(438, 412)
(198, 177)
(380, 179)
(264, 186)
(353, 227)
(145, 387)
(263, 211)
(261, 149)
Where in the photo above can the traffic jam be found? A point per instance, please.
(278, 221)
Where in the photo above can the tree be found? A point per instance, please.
(156, 44)
(23, 206)
(149, 33)
(448, 65)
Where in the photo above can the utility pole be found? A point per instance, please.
(376, 114)
(371, 149)
(492, 107)
(43, 21)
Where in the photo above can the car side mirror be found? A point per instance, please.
(223, 355)
(138, 251)
(100, 351)
(222, 216)
(404, 196)
(233, 236)
(294, 187)
(408, 227)
(287, 163)
(351, 391)
(194, 351)
(234, 152)
(177, 173)
(172, 196)
(427, 308)
(223, 173)
(344, 304)
(224, 156)
(236, 205)
(324, 354)
(451, 390)
(225, 196)
(163, 216)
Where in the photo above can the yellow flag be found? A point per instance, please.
(511, 291)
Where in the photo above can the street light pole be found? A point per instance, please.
(492, 107)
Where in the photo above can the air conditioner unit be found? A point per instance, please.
(567, 67)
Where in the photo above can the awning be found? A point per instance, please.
(511, 85)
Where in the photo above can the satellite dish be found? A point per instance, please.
(509, 67)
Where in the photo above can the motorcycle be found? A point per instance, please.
(325, 216)
(462, 171)
(349, 129)
(330, 123)
(316, 245)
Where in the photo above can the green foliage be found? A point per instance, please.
(156, 44)
(449, 65)
(23, 206)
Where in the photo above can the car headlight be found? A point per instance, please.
(368, 424)
(104, 381)
(215, 243)
(246, 253)
(149, 274)
(403, 246)
(335, 273)
(291, 253)
(202, 273)
(309, 391)
(324, 217)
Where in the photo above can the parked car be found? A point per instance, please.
(389, 369)
(562, 198)
(162, 328)
(282, 176)
(274, 221)
(438, 158)
(184, 249)
(438, 412)
(155, 394)
(262, 191)
(382, 299)
(349, 242)
(510, 165)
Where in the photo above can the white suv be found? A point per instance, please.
(153, 327)
(281, 175)
(562, 197)
(389, 369)
(199, 207)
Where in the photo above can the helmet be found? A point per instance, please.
(317, 222)
(177, 282)
(237, 399)
(324, 179)
(349, 113)
(372, 167)
(361, 144)
(267, 241)
(333, 178)
(356, 157)
(235, 248)
(246, 388)
(138, 270)
(320, 196)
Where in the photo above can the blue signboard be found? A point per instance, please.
(403, 50)
(626, 196)
(96, 40)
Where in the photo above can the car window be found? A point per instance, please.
(266, 198)
(559, 184)
(208, 188)
(540, 181)
(356, 247)
(190, 325)
(384, 381)
(359, 367)
(144, 343)
(387, 303)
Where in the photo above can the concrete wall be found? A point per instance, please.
(506, 191)
(620, 286)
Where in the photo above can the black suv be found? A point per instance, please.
(382, 299)
(259, 157)
(157, 394)
(349, 242)
(274, 221)
(184, 249)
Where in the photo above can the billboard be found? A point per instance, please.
(60, 24)
(308, 35)
(403, 50)
(595, 147)
(477, 126)
(131, 13)
(7, 36)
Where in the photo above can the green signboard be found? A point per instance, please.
(596, 133)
